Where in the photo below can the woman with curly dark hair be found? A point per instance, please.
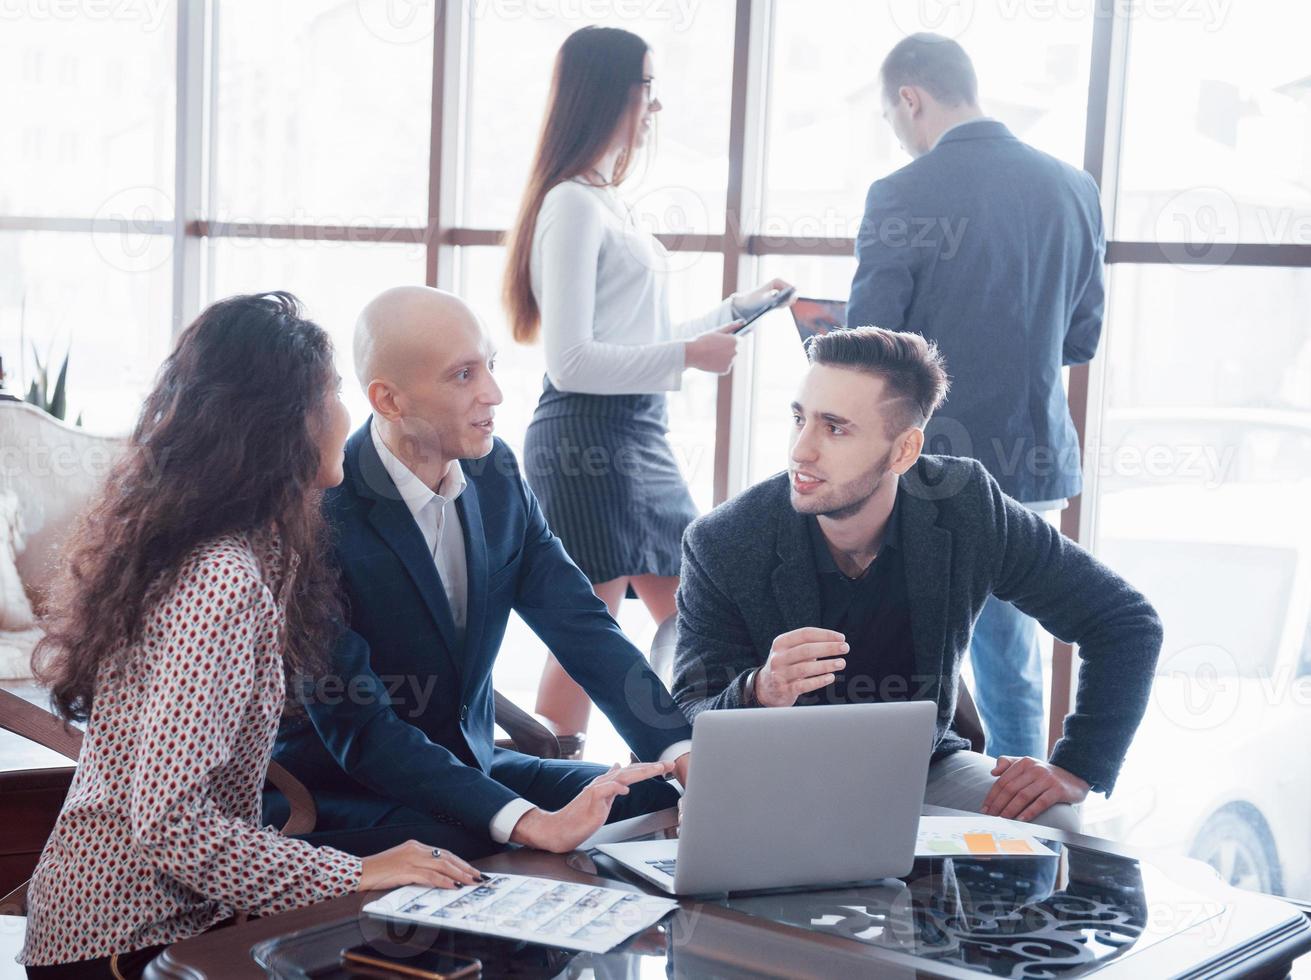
(197, 590)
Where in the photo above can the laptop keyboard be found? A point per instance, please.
(665, 865)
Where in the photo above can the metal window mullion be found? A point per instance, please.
(1112, 44)
(208, 252)
(188, 161)
(750, 37)
(19, 222)
(450, 64)
(1088, 381)
(755, 135)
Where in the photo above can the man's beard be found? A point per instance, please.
(852, 495)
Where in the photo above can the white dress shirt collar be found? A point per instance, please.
(416, 494)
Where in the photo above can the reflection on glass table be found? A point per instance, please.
(1007, 917)
(1063, 916)
(1091, 908)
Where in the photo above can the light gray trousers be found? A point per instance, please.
(962, 780)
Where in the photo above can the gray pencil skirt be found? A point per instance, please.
(608, 483)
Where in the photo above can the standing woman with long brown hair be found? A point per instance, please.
(197, 592)
(593, 285)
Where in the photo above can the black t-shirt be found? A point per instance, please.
(873, 613)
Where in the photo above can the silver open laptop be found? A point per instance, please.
(782, 797)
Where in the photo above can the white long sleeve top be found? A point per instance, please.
(601, 285)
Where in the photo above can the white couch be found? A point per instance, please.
(48, 473)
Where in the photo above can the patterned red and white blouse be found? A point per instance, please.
(159, 837)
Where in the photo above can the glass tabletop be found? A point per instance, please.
(1058, 916)
(1064, 915)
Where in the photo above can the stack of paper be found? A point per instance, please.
(975, 837)
(538, 910)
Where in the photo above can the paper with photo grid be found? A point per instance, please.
(975, 837)
(587, 918)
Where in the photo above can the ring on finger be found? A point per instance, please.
(437, 852)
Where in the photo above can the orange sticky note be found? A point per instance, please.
(980, 843)
(1016, 847)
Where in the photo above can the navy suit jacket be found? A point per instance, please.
(994, 250)
(406, 711)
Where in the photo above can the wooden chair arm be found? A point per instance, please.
(527, 734)
(34, 723)
(303, 813)
(40, 726)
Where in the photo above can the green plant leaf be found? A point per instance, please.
(58, 401)
(33, 396)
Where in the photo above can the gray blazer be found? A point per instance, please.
(994, 250)
(749, 575)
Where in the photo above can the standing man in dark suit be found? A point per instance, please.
(993, 250)
(856, 576)
(438, 539)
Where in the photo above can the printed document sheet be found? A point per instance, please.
(538, 910)
(975, 837)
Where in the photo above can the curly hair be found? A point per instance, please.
(226, 442)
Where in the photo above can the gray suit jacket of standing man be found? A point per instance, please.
(749, 575)
(994, 250)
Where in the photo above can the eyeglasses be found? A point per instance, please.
(648, 83)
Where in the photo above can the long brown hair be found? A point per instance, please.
(226, 442)
(591, 93)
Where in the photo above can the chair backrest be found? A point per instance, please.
(55, 469)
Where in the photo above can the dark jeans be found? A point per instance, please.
(1007, 661)
(364, 824)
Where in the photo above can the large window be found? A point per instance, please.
(320, 126)
(332, 279)
(97, 299)
(319, 119)
(1218, 148)
(1201, 455)
(1202, 465)
(88, 112)
(85, 205)
(827, 137)
(514, 47)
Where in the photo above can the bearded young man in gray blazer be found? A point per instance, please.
(858, 574)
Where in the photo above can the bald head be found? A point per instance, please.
(406, 331)
(426, 364)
